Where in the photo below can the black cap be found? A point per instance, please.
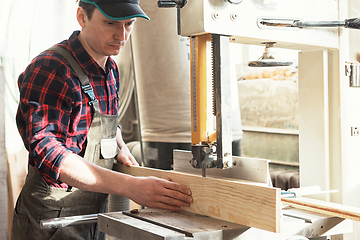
(119, 9)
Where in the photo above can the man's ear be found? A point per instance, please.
(81, 16)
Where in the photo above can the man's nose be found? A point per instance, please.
(120, 34)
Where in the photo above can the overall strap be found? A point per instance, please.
(84, 79)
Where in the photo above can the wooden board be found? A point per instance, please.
(328, 208)
(3, 168)
(17, 163)
(242, 203)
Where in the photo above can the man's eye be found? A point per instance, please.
(129, 23)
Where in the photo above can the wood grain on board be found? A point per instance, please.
(242, 203)
(328, 208)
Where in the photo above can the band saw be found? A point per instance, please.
(221, 22)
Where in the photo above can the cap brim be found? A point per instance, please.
(120, 10)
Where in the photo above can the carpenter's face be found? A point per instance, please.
(103, 36)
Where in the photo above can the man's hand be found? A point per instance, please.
(150, 191)
(159, 193)
(126, 158)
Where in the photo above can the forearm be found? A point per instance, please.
(149, 191)
(77, 172)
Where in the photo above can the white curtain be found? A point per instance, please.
(27, 27)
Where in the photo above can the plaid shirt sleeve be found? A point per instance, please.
(54, 114)
(48, 104)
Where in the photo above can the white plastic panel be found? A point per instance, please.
(217, 16)
(314, 120)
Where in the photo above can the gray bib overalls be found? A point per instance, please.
(39, 201)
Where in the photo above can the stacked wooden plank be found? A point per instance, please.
(3, 169)
(327, 208)
(17, 163)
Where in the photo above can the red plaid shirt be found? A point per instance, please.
(54, 114)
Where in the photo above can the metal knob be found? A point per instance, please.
(172, 3)
(167, 4)
(353, 23)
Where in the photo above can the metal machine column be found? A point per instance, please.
(222, 99)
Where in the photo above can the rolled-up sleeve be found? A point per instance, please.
(49, 104)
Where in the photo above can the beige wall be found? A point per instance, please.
(351, 116)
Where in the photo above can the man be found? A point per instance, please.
(67, 119)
